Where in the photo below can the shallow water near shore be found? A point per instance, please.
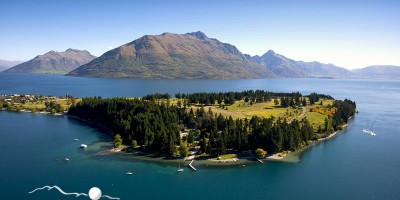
(352, 165)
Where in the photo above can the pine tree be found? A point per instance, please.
(117, 140)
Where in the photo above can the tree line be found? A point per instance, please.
(229, 98)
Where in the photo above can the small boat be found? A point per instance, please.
(76, 139)
(66, 159)
(83, 146)
(179, 169)
(129, 173)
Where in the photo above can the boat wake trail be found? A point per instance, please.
(59, 189)
(369, 132)
(106, 196)
(69, 193)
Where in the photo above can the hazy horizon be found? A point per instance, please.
(349, 34)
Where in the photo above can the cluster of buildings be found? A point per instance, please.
(24, 98)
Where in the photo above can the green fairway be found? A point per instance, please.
(241, 109)
(316, 119)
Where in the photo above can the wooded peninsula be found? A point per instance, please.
(212, 125)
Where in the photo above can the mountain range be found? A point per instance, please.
(189, 56)
(196, 56)
(5, 64)
(288, 68)
(174, 56)
(54, 62)
(379, 72)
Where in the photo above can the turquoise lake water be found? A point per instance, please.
(353, 165)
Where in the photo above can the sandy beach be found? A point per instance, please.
(276, 156)
(224, 160)
(332, 135)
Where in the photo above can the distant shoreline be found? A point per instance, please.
(28, 111)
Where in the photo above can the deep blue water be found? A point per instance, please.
(353, 165)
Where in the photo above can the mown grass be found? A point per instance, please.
(241, 109)
(228, 156)
(316, 119)
(31, 105)
(40, 105)
(326, 102)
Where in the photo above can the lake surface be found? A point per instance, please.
(353, 165)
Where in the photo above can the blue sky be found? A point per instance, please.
(349, 34)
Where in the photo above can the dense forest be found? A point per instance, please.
(156, 125)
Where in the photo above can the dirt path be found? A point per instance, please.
(299, 116)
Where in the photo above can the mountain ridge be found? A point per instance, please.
(379, 72)
(285, 67)
(174, 56)
(5, 64)
(54, 62)
(191, 55)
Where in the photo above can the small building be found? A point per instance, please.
(184, 134)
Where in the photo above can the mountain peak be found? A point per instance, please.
(270, 52)
(166, 33)
(73, 50)
(51, 52)
(199, 35)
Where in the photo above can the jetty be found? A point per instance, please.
(191, 166)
